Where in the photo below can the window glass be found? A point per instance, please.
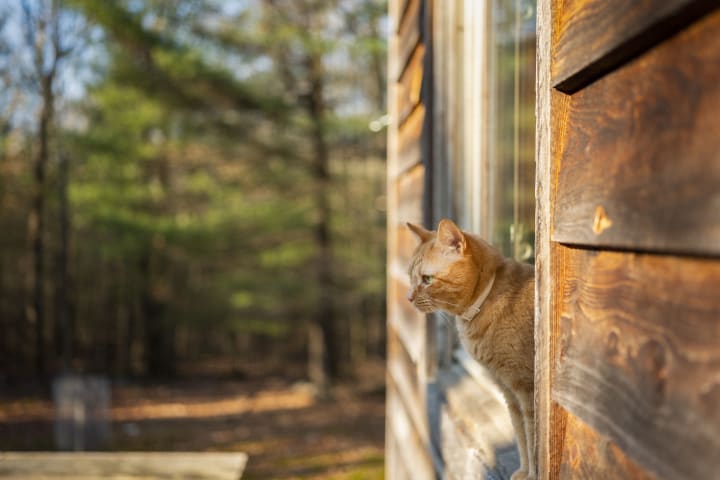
(511, 145)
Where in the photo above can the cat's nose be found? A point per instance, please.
(411, 295)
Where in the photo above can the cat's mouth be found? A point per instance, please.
(424, 306)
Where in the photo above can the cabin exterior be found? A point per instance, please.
(582, 136)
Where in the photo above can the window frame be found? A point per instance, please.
(463, 176)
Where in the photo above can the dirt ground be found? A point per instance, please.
(284, 429)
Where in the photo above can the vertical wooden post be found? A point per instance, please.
(543, 188)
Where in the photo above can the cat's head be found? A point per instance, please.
(448, 267)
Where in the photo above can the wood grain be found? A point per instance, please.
(638, 358)
(407, 435)
(408, 35)
(592, 37)
(410, 188)
(587, 455)
(555, 415)
(410, 456)
(408, 91)
(640, 165)
(401, 8)
(406, 320)
(121, 465)
(543, 211)
(406, 243)
(409, 137)
(406, 375)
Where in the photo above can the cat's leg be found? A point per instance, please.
(527, 408)
(516, 417)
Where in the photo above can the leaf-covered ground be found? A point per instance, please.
(286, 432)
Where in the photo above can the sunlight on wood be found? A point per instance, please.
(122, 465)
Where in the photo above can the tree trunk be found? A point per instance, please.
(159, 332)
(326, 352)
(36, 225)
(64, 324)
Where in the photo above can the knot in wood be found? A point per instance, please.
(601, 221)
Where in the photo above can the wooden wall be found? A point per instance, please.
(628, 243)
(407, 427)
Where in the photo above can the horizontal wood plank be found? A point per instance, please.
(406, 243)
(396, 12)
(640, 163)
(122, 465)
(402, 9)
(408, 36)
(406, 320)
(592, 37)
(639, 356)
(409, 190)
(408, 88)
(409, 141)
(406, 374)
(587, 455)
(412, 454)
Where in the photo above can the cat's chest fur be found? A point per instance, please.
(500, 337)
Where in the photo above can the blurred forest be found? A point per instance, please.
(191, 186)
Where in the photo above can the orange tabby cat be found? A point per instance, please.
(492, 298)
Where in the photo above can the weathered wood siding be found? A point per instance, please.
(407, 428)
(628, 154)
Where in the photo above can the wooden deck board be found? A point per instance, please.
(122, 465)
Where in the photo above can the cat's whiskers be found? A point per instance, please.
(439, 306)
(424, 302)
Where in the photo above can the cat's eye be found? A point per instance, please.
(427, 279)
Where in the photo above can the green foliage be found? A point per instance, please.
(193, 207)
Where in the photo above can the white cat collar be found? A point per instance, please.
(474, 309)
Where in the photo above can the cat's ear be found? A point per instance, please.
(420, 233)
(451, 237)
